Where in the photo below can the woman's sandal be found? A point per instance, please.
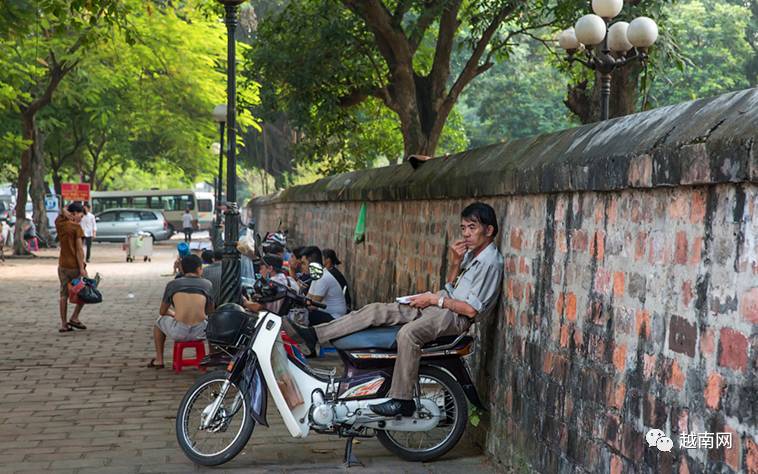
(76, 324)
(68, 329)
(153, 365)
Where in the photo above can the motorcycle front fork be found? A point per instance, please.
(208, 417)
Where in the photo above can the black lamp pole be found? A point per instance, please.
(230, 265)
(220, 184)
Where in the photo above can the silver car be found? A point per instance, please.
(115, 224)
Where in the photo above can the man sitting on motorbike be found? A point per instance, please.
(473, 285)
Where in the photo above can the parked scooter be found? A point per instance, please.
(217, 415)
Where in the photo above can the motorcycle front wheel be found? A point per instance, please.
(423, 446)
(228, 432)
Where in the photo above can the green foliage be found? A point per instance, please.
(137, 103)
(711, 35)
(520, 97)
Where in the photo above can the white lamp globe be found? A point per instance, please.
(590, 29)
(567, 39)
(219, 113)
(215, 148)
(642, 32)
(607, 8)
(617, 40)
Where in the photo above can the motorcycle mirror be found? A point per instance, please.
(316, 270)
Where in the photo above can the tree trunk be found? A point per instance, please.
(584, 102)
(38, 187)
(24, 173)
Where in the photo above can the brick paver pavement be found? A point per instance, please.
(82, 402)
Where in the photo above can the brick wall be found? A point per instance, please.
(623, 309)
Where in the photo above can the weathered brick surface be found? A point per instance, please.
(622, 311)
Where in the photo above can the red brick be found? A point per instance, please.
(697, 248)
(602, 280)
(749, 305)
(597, 245)
(677, 376)
(570, 302)
(577, 338)
(522, 267)
(640, 245)
(732, 455)
(697, 207)
(564, 336)
(579, 240)
(680, 256)
(619, 358)
(707, 342)
(648, 365)
(713, 390)
(687, 294)
(547, 363)
(642, 322)
(560, 240)
(618, 396)
(617, 464)
(510, 315)
(516, 238)
(682, 336)
(678, 206)
(618, 284)
(732, 349)
(751, 455)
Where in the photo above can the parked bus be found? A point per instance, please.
(172, 202)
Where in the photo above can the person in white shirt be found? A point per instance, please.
(89, 226)
(187, 225)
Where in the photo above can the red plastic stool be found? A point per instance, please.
(180, 361)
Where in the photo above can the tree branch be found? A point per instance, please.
(422, 24)
(441, 66)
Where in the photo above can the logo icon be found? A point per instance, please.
(658, 438)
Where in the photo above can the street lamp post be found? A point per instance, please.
(607, 48)
(219, 115)
(230, 265)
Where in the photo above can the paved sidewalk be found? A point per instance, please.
(82, 401)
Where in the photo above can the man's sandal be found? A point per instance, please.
(76, 324)
(153, 365)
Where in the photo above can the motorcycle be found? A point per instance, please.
(219, 412)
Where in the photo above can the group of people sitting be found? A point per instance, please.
(195, 291)
(470, 291)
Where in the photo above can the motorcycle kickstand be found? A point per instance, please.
(350, 460)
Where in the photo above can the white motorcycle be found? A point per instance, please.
(217, 415)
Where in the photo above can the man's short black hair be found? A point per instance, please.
(481, 213)
(191, 263)
(273, 261)
(75, 207)
(298, 252)
(331, 255)
(207, 256)
(313, 254)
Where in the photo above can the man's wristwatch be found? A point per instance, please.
(441, 301)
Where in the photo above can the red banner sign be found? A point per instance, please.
(75, 191)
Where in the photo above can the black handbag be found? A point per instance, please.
(90, 294)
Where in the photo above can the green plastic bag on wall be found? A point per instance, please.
(360, 227)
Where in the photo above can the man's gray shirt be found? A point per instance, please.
(478, 282)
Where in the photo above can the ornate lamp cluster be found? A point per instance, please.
(605, 47)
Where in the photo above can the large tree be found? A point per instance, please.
(41, 44)
(399, 52)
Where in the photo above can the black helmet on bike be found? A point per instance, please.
(227, 324)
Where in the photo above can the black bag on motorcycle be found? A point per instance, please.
(226, 324)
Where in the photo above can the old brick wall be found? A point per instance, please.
(625, 307)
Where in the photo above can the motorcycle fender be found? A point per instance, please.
(458, 369)
(253, 387)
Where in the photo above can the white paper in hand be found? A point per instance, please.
(406, 299)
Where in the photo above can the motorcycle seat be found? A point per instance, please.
(379, 338)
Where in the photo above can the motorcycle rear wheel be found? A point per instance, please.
(187, 417)
(454, 403)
